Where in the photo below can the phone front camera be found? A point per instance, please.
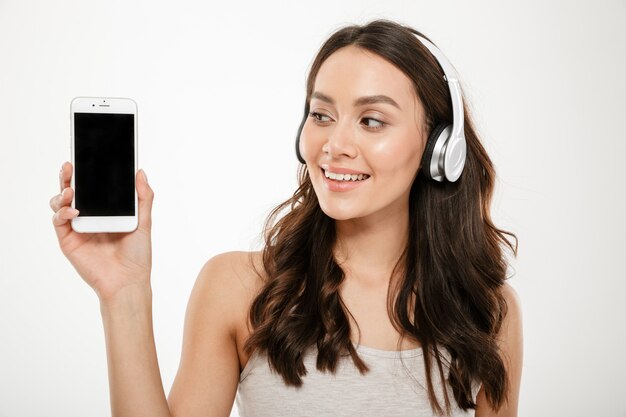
(92, 105)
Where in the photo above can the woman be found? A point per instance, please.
(381, 293)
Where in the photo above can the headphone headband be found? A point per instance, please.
(453, 83)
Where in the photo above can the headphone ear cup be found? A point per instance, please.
(433, 138)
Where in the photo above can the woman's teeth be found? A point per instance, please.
(345, 177)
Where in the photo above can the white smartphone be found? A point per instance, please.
(104, 156)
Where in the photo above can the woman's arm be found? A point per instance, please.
(511, 348)
(118, 267)
(208, 374)
(135, 382)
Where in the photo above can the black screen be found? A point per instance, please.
(104, 168)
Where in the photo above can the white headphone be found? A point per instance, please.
(445, 151)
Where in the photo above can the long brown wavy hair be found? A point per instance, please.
(448, 295)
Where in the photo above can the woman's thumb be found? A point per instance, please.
(145, 196)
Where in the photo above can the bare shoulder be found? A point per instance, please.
(510, 340)
(510, 294)
(211, 359)
(514, 305)
(233, 278)
(236, 270)
(510, 336)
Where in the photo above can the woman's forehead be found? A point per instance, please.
(352, 72)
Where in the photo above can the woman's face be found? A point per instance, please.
(364, 119)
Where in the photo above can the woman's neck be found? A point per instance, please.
(368, 248)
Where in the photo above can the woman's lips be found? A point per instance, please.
(340, 185)
(338, 170)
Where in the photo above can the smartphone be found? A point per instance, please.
(104, 156)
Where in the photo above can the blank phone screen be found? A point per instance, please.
(104, 164)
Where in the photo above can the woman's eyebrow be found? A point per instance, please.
(361, 101)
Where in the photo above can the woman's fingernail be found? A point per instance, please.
(63, 194)
(72, 211)
(145, 177)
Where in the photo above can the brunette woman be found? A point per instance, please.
(380, 290)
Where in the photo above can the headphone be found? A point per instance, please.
(446, 150)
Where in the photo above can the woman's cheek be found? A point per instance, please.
(397, 146)
(311, 142)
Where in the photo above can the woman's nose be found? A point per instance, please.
(341, 140)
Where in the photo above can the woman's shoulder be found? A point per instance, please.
(238, 272)
(232, 280)
(236, 278)
(512, 301)
(510, 332)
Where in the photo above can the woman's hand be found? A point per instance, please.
(108, 262)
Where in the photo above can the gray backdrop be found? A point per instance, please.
(220, 89)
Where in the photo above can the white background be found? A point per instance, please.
(220, 89)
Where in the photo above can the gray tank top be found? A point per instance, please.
(388, 389)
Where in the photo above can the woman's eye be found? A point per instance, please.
(318, 117)
(373, 123)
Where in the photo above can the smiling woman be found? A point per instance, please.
(380, 291)
(373, 242)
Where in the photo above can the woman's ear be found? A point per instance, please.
(299, 134)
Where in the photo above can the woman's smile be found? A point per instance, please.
(337, 181)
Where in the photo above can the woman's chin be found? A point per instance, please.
(341, 212)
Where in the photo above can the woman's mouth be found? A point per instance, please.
(342, 182)
(345, 177)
